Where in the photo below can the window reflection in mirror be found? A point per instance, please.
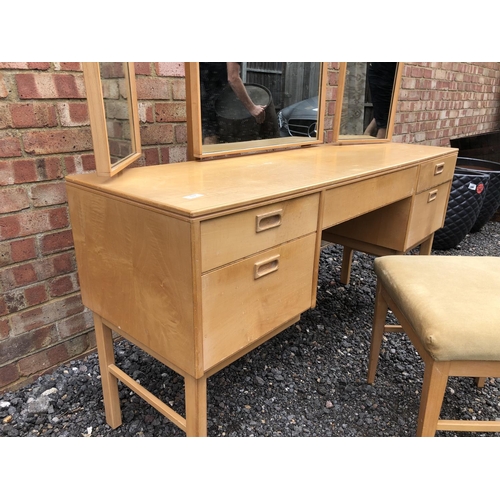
(255, 105)
(369, 98)
(116, 106)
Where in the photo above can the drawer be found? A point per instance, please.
(428, 213)
(357, 198)
(397, 227)
(232, 237)
(435, 172)
(245, 300)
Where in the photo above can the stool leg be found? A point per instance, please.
(379, 318)
(435, 380)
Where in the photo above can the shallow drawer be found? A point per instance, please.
(349, 201)
(435, 172)
(397, 227)
(232, 237)
(244, 301)
(428, 213)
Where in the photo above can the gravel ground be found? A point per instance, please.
(310, 380)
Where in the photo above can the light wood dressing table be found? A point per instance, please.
(198, 263)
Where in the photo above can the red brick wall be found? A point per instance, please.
(43, 124)
(161, 91)
(44, 135)
(331, 99)
(439, 101)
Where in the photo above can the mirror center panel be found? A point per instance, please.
(244, 107)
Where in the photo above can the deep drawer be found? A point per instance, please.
(232, 237)
(244, 301)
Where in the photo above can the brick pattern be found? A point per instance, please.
(439, 101)
(161, 91)
(45, 135)
(331, 99)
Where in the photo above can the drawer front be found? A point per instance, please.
(435, 172)
(244, 301)
(232, 237)
(349, 201)
(428, 213)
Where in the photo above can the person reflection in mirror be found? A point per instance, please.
(381, 83)
(214, 77)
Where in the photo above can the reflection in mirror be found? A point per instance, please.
(255, 105)
(114, 115)
(368, 101)
(232, 109)
(115, 95)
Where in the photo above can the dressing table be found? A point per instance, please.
(198, 263)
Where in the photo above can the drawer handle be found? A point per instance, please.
(439, 169)
(432, 195)
(265, 267)
(268, 221)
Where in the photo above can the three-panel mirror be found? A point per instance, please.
(367, 99)
(236, 108)
(239, 108)
(113, 114)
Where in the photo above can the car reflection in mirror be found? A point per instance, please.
(299, 119)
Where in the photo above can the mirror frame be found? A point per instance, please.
(97, 116)
(196, 150)
(337, 138)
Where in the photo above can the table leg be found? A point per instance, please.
(105, 350)
(345, 273)
(196, 406)
(426, 246)
(480, 381)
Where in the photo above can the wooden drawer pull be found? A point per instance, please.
(432, 195)
(268, 221)
(265, 267)
(439, 169)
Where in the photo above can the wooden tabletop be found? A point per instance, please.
(200, 188)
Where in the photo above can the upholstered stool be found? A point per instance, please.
(449, 306)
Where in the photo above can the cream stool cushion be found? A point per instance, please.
(452, 302)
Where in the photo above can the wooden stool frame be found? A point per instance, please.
(436, 373)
